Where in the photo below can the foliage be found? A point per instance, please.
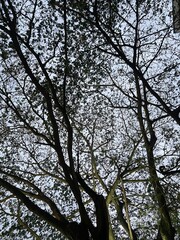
(89, 114)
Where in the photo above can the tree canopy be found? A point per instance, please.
(89, 110)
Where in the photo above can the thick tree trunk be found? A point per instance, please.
(166, 230)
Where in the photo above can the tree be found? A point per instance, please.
(89, 146)
(176, 13)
